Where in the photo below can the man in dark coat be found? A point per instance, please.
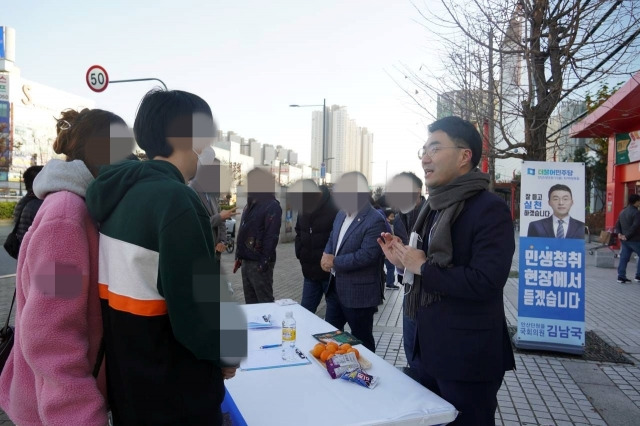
(460, 266)
(409, 210)
(628, 229)
(312, 233)
(258, 237)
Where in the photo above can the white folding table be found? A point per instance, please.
(308, 395)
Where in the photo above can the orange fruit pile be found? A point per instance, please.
(324, 352)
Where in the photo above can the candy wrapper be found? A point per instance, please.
(338, 364)
(360, 377)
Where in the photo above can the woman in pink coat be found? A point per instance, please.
(48, 377)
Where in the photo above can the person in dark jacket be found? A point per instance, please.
(460, 270)
(405, 194)
(628, 229)
(258, 237)
(313, 227)
(28, 206)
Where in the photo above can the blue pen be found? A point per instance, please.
(270, 346)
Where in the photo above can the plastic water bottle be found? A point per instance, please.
(288, 337)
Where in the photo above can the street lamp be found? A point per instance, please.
(324, 136)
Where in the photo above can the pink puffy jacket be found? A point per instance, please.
(48, 376)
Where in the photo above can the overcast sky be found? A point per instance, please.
(249, 59)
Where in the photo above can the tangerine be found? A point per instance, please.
(325, 355)
(340, 352)
(345, 347)
(332, 346)
(317, 350)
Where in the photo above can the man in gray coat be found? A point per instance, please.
(207, 184)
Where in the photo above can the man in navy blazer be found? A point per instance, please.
(460, 271)
(354, 259)
(560, 225)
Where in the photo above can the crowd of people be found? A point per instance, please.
(107, 320)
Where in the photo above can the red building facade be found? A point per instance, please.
(617, 119)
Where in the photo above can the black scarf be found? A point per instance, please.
(447, 201)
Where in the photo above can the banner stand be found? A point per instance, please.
(550, 347)
(551, 281)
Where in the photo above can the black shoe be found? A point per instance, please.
(623, 280)
(393, 287)
(637, 279)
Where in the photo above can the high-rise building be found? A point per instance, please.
(282, 153)
(255, 151)
(348, 147)
(560, 146)
(293, 157)
(268, 154)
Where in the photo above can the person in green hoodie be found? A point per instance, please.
(162, 301)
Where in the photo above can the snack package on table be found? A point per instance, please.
(361, 377)
(339, 364)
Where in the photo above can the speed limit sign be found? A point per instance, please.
(97, 78)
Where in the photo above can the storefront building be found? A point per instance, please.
(617, 119)
(27, 112)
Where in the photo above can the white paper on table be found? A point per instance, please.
(260, 359)
(262, 321)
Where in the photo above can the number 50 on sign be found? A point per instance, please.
(97, 78)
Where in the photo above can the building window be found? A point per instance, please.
(4, 110)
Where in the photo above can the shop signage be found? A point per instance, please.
(4, 87)
(628, 147)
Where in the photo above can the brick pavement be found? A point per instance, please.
(543, 390)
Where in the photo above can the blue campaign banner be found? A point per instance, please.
(1, 42)
(551, 296)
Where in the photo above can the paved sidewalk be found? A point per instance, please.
(543, 390)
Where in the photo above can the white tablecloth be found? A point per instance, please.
(308, 395)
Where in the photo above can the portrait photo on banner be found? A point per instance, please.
(552, 200)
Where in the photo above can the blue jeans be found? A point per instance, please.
(391, 273)
(625, 254)
(409, 337)
(312, 291)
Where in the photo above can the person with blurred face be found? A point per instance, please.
(54, 373)
(208, 184)
(258, 237)
(354, 260)
(461, 262)
(560, 225)
(404, 193)
(160, 284)
(316, 213)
